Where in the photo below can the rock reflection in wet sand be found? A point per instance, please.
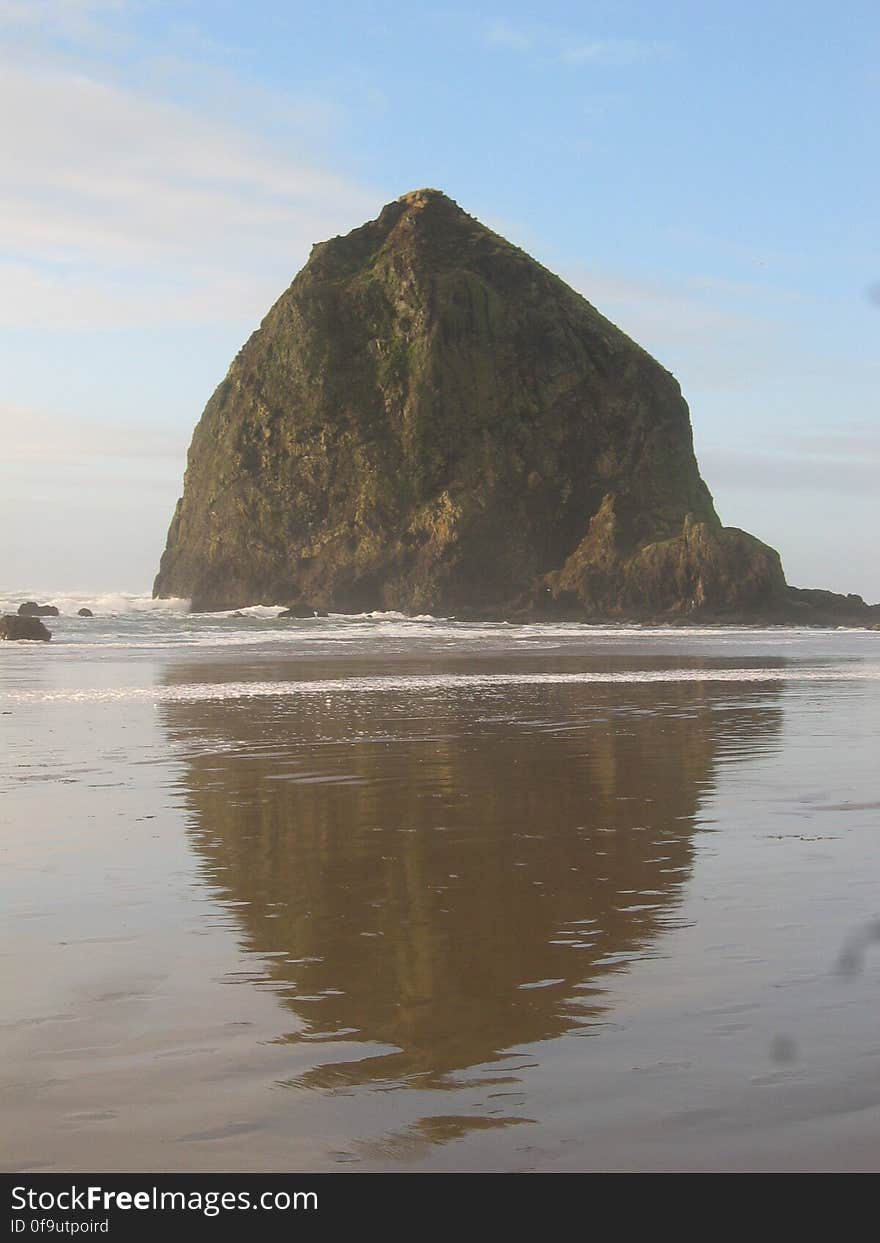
(434, 882)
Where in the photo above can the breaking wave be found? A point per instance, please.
(108, 604)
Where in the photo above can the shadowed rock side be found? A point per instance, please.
(428, 420)
(30, 608)
(23, 627)
(435, 884)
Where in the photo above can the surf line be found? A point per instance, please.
(194, 692)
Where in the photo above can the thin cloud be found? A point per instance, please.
(65, 297)
(559, 47)
(787, 472)
(707, 333)
(120, 207)
(76, 15)
(505, 34)
(91, 166)
(94, 24)
(852, 440)
(613, 52)
(54, 438)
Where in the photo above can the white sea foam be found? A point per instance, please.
(107, 604)
(218, 628)
(193, 692)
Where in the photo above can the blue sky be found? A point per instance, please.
(705, 173)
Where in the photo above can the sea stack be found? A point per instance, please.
(429, 420)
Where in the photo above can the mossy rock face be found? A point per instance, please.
(428, 420)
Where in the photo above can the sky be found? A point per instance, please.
(705, 173)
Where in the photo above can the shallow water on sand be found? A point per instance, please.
(369, 893)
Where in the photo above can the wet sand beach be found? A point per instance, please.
(376, 894)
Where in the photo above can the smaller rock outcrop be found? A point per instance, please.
(810, 606)
(300, 610)
(30, 608)
(84, 613)
(25, 627)
(705, 569)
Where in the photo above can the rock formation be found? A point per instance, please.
(84, 613)
(25, 627)
(428, 420)
(30, 608)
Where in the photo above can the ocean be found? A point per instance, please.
(383, 893)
